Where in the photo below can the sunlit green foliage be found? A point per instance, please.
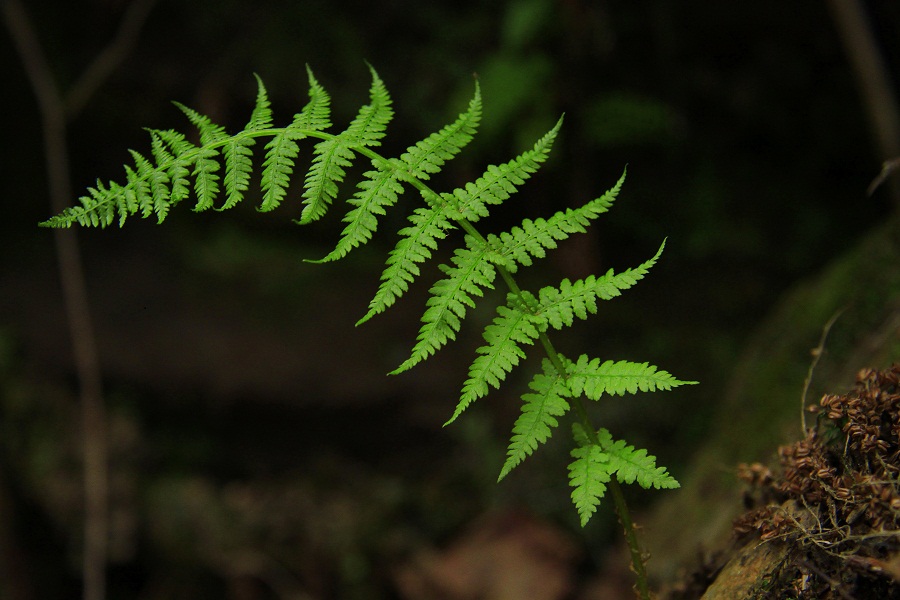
(223, 163)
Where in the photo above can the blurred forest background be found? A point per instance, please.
(257, 449)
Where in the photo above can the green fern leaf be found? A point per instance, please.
(428, 225)
(593, 379)
(206, 165)
(632, 465)
(278, 166)
(210, 133)
(238, 166)
(128, 195)
(316, 115)
(533, 238)
(378, 190)
(588, 475)
(282, 149)
(429, 155)
(469, 273)
(141, 196)
(97, 208)
(512, 326)
(176, 164)
(539, 411)
(159, 182)
(370, 123)
(559, 306)
(498, 182)
(237, 152)
(261, 117)
(206, 179)
(417, 241)
(332, 155)
(324, 176)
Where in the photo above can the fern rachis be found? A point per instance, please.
(224, 163)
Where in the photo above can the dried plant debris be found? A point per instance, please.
(835, 501)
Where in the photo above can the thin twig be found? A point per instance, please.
(55, 113)
(110, 57)
(817, 354)
(873, 79)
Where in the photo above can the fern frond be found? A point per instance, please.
(206, 178)
(588, 475)
(370, 123)
(469, 273)
(324, 176)
(468, 203)
(160, 190)
(206, 164)
(316, 115)
(512, 326)
(237, 150)
(238, 166)
(429, 155)
(175, 164)
(539, 411)
(333, 154)
(417, 241)
(146, 185)
(593, 379)
(210, 133)
(380, 188)
(282, 149)
(499, 182)
(278, 167)
(632, 465)
(261, 117)
(578, 299)
(533, 238)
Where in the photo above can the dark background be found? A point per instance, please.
(249, 418)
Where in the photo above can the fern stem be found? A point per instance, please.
(637, 560)
(634, 547)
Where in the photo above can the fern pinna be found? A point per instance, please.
(178, 167)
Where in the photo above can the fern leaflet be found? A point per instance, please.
(471, 271)
(512, 326)
(428, 156)
(176, 166)
(499, 181)
(632, 465)
(539, 411)
(237, 152)
(138, 194)
(578, 299)
(593, 379)
(261, 117)
(282, 149)
(417, 241)
(316, 115)
(588, 475)
(206, 164)
(335, 153)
